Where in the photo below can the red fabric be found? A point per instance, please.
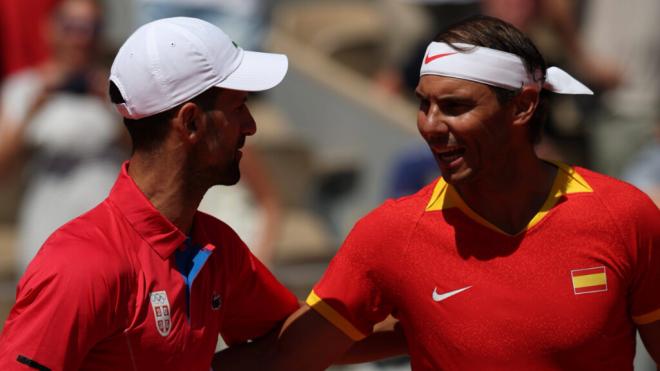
(22, 34)
(521, 311)
(84, 301)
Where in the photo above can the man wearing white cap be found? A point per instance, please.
(506, 262)
(144, 281)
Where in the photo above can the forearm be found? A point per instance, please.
(247, 356)
(386, 341)
(244, 357)
(376, 346)
(307, 342)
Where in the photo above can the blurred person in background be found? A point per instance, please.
(58, 129)
(413, 22)
(252, 207)
(626, 34)
(644, 169)
(561, 19)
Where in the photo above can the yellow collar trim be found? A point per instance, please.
(567, 181)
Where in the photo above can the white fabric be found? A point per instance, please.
(169, 61)
(78, 134)
(58, 125)
(493, 67)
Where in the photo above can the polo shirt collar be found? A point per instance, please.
(567, 181)
(163, 236)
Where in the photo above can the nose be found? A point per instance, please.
(248, 125)
(431, 122)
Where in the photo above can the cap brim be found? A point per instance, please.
(257, 72)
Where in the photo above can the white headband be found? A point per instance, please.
(493, 67)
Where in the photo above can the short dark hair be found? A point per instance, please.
(494, 33)
(149, 132)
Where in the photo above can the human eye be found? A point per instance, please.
(424, 103)
(455, 107)
(242, 104)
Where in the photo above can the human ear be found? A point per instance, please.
(189, 121)
(524, 105)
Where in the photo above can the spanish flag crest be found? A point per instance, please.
(589, 280)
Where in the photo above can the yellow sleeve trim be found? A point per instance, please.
(647, 318)
(334, 317)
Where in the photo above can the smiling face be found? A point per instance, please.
(227, 125)
(468, 131)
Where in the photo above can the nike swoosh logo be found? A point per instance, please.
(440, 297)
(431, 58)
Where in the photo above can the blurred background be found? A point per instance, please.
(334, 140)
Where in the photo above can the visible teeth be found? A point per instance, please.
(449, 158)
(451, 155)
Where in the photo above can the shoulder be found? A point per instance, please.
(388, 227)
(614, 192)
(625, 202)
(215, 229)
(81, 279)
(403, 211)
(86, 248)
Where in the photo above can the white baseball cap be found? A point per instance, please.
(172, 60)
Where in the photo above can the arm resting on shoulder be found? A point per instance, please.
(246, 356)
(386, 341)
(309, 342)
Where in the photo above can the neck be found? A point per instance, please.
(510, 197)
(168, 185)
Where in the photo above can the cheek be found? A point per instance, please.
(421, 122)
(468, 128)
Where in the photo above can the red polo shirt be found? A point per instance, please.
(105, 293)
(565, 293)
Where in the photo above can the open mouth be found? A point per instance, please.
(451, 154)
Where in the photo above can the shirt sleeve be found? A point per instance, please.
(646, 284)
(350, 294)
(63, 307)
(256, 300)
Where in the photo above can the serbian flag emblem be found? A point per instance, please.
(589, 280)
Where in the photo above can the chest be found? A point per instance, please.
(552, 291)
(173, 320)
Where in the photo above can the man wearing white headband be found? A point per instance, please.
(144, 281)
(506, 262)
